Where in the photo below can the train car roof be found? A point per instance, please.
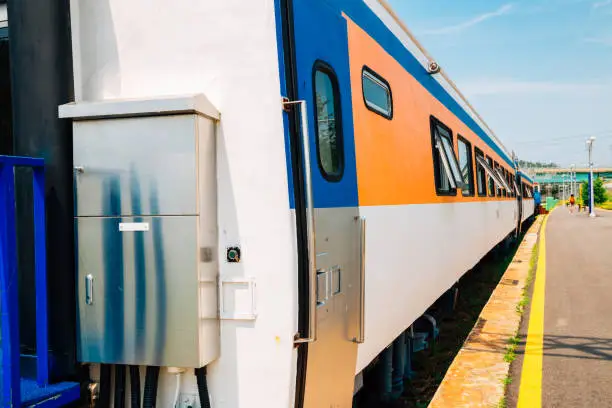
(377, 16)
(526, 177)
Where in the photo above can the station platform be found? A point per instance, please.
(566, 336)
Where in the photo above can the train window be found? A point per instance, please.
(466, 166)
(328, 119)
(446, 169)
(377, 93)
(498, 190)
(503, 186)
(517, 190)
(508, 192)
(491, 180)
(509, 182)
(481, 175)
(494, 178)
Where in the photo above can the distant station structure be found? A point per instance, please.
(562, 175)
(554, 181)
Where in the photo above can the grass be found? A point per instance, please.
(513, 343)
(520, 307)
(606, 206)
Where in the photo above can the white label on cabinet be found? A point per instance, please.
(133, 226)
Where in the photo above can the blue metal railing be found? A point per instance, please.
(11, 379)
(14, 390)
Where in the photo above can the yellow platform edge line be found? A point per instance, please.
(530, 390)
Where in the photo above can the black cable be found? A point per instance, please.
(202, 387)
(119, 386)
(135, 386)
(150, 390)
(105, 386)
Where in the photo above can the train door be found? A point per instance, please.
(321, 69)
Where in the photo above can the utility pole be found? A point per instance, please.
(589, 143)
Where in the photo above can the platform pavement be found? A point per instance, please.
(571, 364)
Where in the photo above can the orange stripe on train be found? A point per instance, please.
(394, 157)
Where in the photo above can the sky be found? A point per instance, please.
(538, 71)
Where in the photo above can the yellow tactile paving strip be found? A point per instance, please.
(476, 376)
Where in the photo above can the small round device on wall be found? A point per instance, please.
(433, 67)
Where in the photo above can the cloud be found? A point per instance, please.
(505, 9)
(602, 3)
(505, 86)
(605, 41)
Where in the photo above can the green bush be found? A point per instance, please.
(599, 190)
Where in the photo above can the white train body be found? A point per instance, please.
(234, 52)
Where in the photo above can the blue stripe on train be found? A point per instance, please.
(363, 16)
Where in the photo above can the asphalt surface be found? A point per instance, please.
(577, 362)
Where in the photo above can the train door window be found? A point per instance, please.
(328, 122)
(466, 165)
(376, 93)
(446, 168)
(481, 175)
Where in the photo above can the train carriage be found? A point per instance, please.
(273, 191)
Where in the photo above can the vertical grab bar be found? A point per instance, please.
(362, 250)
(89, 289)
(310, 221)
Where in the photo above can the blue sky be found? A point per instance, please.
(538, 71)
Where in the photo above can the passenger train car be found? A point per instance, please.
(273, 190)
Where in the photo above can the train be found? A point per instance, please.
(267, 194)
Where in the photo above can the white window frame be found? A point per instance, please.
(496, 179)
(518, 192)
(450, 164)
(505, 185)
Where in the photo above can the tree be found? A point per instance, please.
(601, 195)
(529, 164)
(599, 191)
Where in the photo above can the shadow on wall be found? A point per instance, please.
(96, 56)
